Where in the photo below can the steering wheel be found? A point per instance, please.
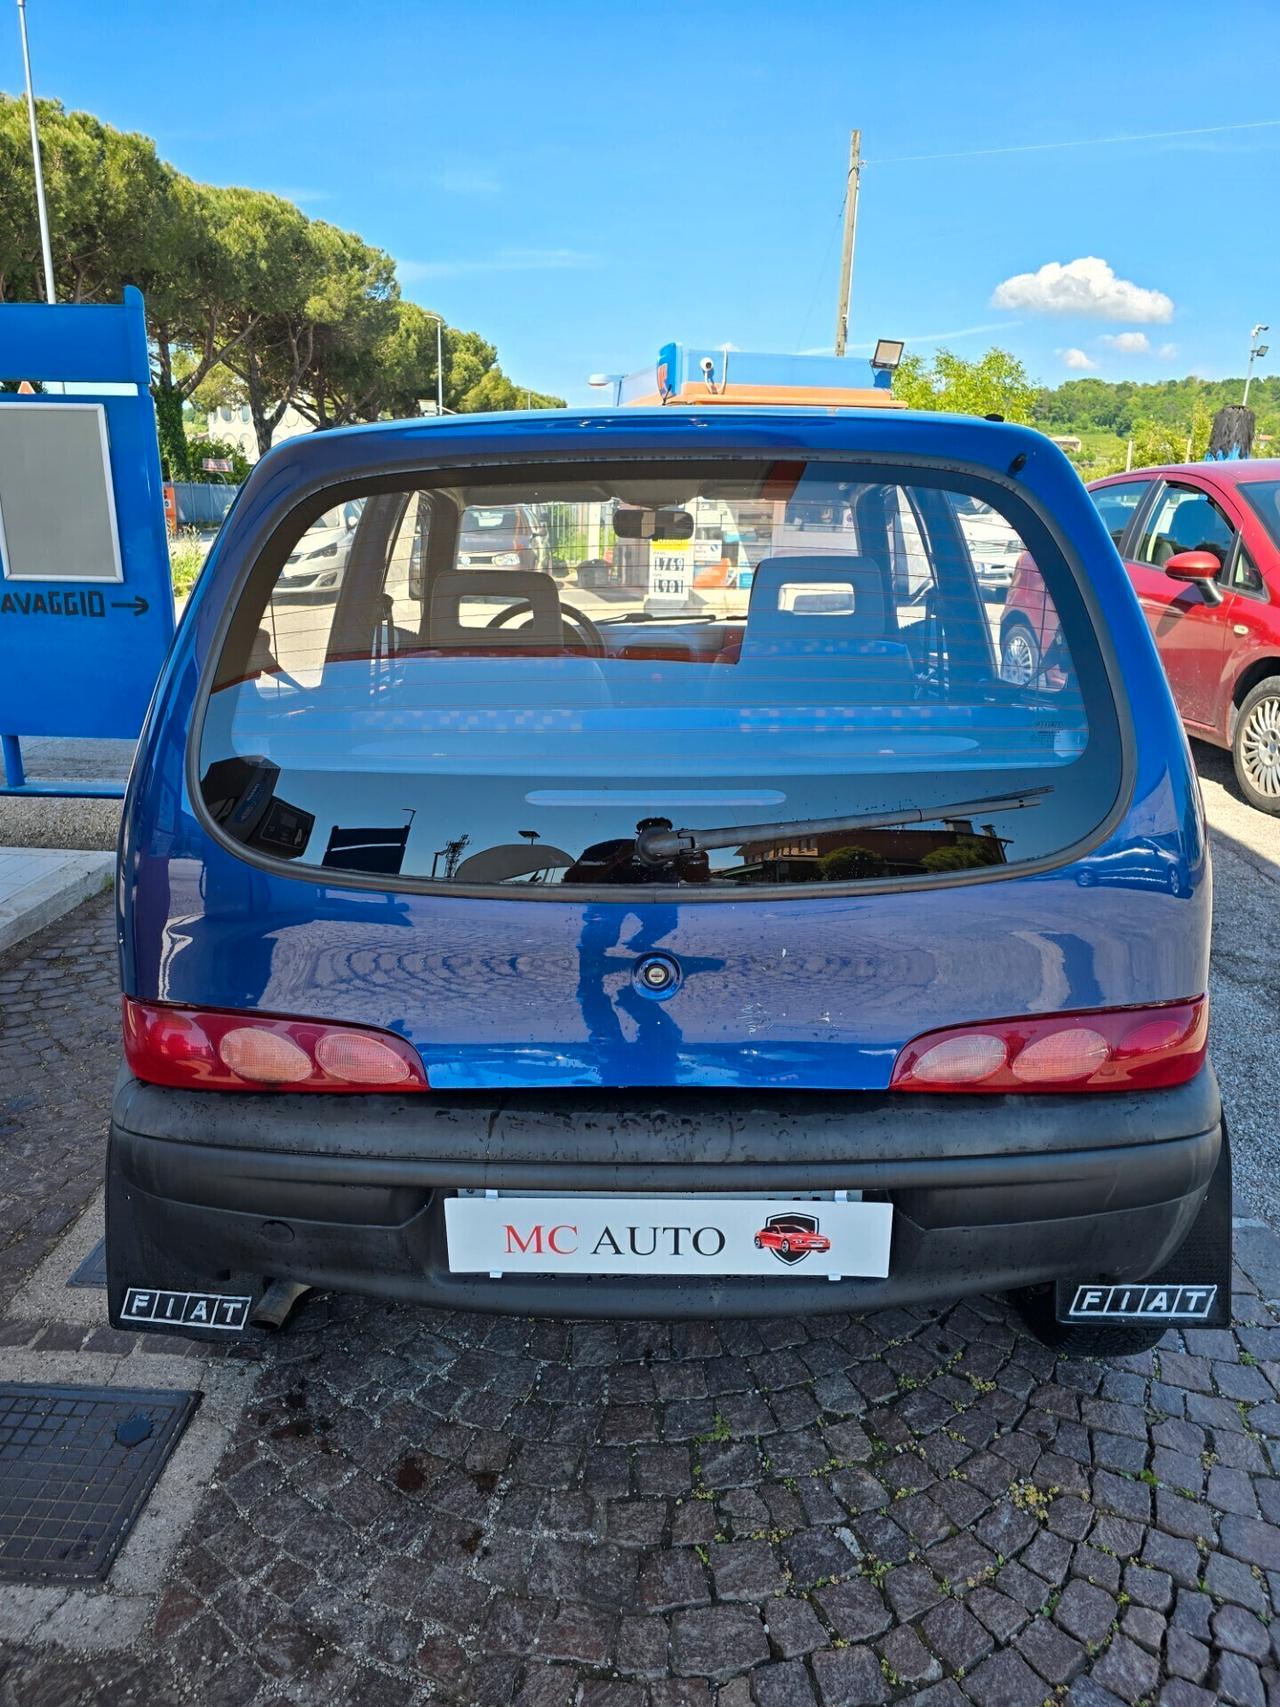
(570, 615)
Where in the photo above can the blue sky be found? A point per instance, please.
(582, 182)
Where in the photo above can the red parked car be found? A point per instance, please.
(1202, 546)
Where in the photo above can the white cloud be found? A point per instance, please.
(1084, 286)
(1076, 358)
(505, 261)
(1167, 352)
(1128, 343)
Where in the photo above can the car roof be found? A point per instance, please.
(1239, 471)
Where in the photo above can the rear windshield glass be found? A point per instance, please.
(724, 674)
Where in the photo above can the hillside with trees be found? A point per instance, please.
(247, 298)
(1167, 420)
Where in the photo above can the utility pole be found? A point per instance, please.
(439, 366)
(46, 251)
(850, 231)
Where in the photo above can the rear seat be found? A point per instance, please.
(820, 631)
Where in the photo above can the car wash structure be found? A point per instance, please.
(86, 602)
(707, 564)
(752, 378)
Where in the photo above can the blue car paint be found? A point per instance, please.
(811, 991)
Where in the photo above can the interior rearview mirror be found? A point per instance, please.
(653, 524)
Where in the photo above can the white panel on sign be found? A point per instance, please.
(57, 506)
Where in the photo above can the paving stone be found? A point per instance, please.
(717, 1641)
(855, 1610)
(1084, 1611)
(1177, 1515)
(1255, 1542)
(1127, 1670)
(908, 1658)
(1179, 1558)
(1235, 1679)
(745, 1570)
(1005, 1680)
(849, 1677)
(1149, 1587)
(672, 1579)
(1145, 1626)
(1056, 1656)
(1185, 1657)
(1179, 1693)
(1240, 1631)
(1231, 1579)
(784, 1685)
(794, 1627)
(958, 1638)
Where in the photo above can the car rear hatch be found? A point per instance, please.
(627, 832)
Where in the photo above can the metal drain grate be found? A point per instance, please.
(76, 1467)
(93, 1270)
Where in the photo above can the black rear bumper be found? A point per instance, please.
(225, 1192)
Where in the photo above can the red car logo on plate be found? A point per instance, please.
(791, 1237)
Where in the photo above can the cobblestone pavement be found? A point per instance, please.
(418, 1506)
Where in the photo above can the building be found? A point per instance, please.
(233, 424)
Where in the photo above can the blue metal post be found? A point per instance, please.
(14, 774)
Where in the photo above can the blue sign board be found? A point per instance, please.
(86, 602)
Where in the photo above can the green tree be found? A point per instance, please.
(996, 384)
(495, 391)
(964, 855)
(1155, 443)
(205, 449)
(248, 301)
(844, 865)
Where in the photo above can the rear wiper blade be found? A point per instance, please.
(656, 846)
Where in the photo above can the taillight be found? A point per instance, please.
(208, 1049)
(1115, 1049)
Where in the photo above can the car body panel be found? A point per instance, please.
(1209, 649)
(810, 991)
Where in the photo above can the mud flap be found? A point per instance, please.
(1191, 1289)
(149, 1291)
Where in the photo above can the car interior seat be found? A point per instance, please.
(820, 630)
(1194, 526)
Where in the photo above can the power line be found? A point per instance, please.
(820, 275)
(1079, 142)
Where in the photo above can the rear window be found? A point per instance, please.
(710, 676)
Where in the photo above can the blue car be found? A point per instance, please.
(530, 944)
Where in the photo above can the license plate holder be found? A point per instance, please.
(688, 1237)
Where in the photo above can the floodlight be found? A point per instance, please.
(888, 354)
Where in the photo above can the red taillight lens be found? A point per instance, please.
(1115, 1049)
(207, 1049)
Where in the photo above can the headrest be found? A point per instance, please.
(1194, 524)
(799, 599)
(450, 588)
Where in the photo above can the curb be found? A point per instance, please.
(39, 885)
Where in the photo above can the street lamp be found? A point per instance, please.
(600, 380)
(1256, 351)
(42, 212)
